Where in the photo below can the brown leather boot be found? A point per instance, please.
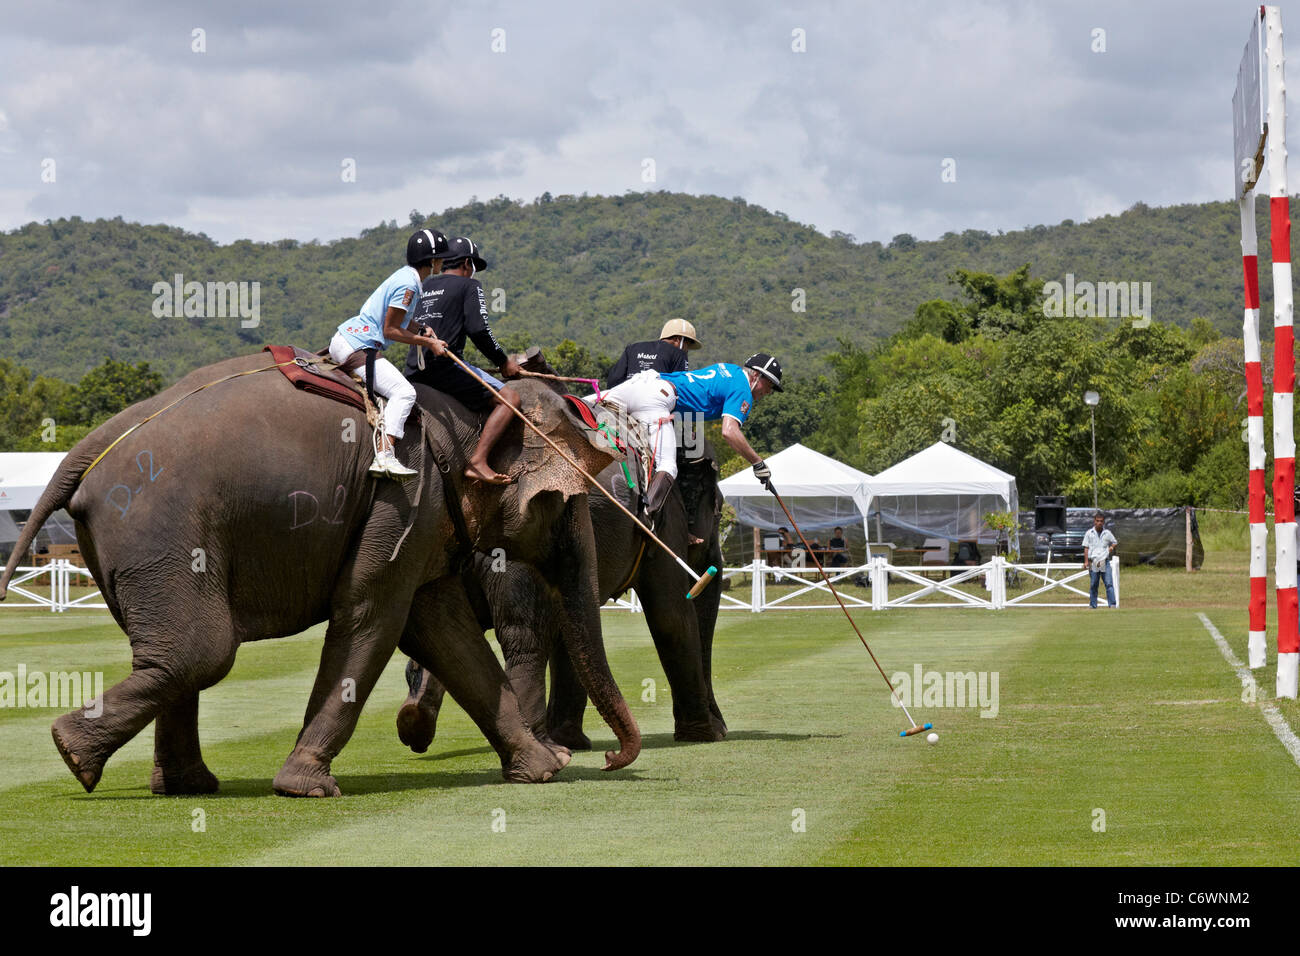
(534, 361)
(660, 485)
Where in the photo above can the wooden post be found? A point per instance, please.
(1187, 515)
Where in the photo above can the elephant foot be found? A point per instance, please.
(301, 777)
(77, 751)
(536, 765)
(188, 780)
(416, 727)
(710, 732)
(553, 747)
(570, 737)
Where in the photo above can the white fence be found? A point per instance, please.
(1064, 585)
(25, 587)
(1055, 581)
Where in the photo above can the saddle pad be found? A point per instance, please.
(303, 372)
(583, 410)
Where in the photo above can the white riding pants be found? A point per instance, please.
(389, 383)
(650, 400)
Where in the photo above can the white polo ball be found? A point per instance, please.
(932, 739)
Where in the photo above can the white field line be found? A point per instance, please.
(1281, 729)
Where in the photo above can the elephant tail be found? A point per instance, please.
(57, 494)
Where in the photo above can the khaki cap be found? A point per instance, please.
(676, 327)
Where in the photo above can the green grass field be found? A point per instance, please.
(1133, 713)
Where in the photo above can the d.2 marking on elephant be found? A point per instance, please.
(125, 506)
(340, 499)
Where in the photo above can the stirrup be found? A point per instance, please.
(613, 404)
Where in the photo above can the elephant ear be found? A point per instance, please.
(539, 467)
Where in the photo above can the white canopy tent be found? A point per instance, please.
(943, 492)
(23, 477)
(820, 491)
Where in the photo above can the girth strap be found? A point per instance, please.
(465, 544)
(636, 566)
(370, 372)
(354, 361)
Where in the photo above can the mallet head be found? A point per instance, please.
(702, 583)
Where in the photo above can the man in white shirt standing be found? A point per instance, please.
(1098, 545)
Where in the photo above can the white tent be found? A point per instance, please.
(819, 490)
(23, 477)
(942, 492)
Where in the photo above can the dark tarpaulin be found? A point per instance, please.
(1145, 535)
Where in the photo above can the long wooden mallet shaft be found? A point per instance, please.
(915, 729)
(703, 580)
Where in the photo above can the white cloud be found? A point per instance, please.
(246, 140)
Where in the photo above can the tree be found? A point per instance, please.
(853, 378)
(783, 418)
(1000, 306)
(570, 358)
(1043, 431)
(1158, 344)
(1202, 332)
(939, 318)
(106, 390)
(26, 404)
(912, 414)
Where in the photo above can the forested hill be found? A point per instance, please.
(602, 271)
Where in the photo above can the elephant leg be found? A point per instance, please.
(526, 671)
(568, 702)
(417, 718)
(170, 665)
(706, 616)
(526, 615)
(675, 630)
(443, 635)
(362, 633)
(178, 766)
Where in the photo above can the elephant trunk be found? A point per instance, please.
(588, 657)
(582, 638)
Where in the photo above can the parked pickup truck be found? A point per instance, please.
(1066, 547)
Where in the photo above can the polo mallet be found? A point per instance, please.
(703, 580)
(915, 728)
(593, 382)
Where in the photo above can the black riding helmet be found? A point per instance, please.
(424, 245)
(460, 249)
(768, 367)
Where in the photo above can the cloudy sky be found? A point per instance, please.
(251, 127)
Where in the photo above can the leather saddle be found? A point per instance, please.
(318, 374)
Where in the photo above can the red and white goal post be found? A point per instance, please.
(1259, 140)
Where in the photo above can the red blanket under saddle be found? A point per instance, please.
(311, 382)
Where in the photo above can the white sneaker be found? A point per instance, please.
(386, 463)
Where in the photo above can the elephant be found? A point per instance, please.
(233, 507)
(517, 601)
